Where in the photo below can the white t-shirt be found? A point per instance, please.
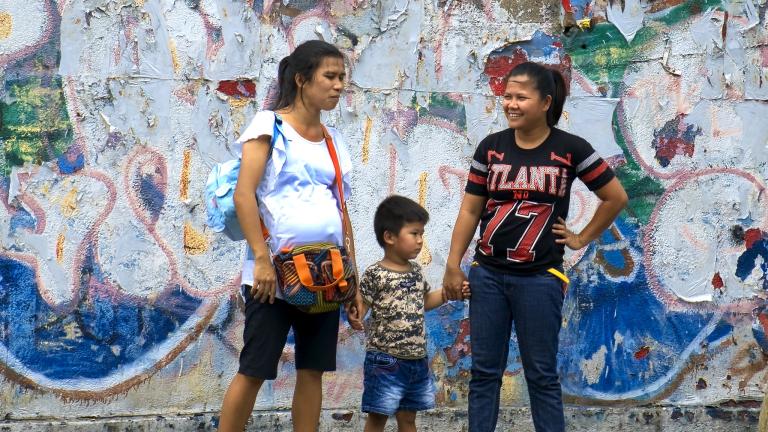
(297, 196)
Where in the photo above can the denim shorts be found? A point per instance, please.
(392, 384)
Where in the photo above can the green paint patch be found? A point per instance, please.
(603, 54)
(441, 105)
(643, 190)
(34, 124)
(685, 10)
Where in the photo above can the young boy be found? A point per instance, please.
(397, 377)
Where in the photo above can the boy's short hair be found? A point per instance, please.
(394, 212)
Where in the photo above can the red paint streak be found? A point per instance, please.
(441, 123)
(212, 45)
(392, 168)
(764, 56)
(762, 318)
(321, 12)
(717, 281)
(51, 28)
(668, 148)
(460, 347)
(445, 171)
(642, 352)
(567, 6)
(498, 67)
(245, 89)
(751, 236)
(724, 30)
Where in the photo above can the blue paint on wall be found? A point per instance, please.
(722, 330)
(602, 309)
(541, 45)
(70, 163)
(747, 261)
(21, 219)
(102, 333)
(152, 196)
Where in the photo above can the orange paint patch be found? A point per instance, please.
(60, 248)
(6, 25)
(174, 55)
(195, 242)
(423, 188)
(425, 256)
(69, 203)
(367, 139)
(238, 103)
(184, 181)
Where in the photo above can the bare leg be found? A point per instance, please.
(238, 403)
(375, 422)
(406, 421)
(307, 400)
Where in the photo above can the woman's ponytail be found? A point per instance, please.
(286, 84)
(559, 93)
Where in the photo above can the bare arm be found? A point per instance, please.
(252, 166)
(356, 309)
(613, 198)
(466, 224)
(434, 299)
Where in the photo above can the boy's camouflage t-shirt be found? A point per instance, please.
(396, 324)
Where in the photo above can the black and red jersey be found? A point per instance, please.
(527, 191)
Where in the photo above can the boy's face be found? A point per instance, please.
(408, 242)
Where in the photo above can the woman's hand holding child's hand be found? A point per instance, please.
(355, 311)
(452, 283)
(465, 291)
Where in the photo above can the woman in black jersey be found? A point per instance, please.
(518, 191)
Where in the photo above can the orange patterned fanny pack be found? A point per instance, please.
(316, 277)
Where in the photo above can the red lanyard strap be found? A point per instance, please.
(339, 181)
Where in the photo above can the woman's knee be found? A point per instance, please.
(248, 381)
(309, 375)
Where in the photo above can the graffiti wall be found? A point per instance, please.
(115, 298)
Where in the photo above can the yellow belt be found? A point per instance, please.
(558, 274)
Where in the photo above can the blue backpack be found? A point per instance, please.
(220, 192)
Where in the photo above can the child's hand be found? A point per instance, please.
(353, 316)
(465, 291)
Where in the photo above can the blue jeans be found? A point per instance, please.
(534, 304)
(392, 384)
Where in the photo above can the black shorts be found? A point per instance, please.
(266, 332)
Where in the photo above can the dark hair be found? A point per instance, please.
(304, 60)
(393, 213)
(549, 82)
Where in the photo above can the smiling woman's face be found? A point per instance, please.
(523, 104)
